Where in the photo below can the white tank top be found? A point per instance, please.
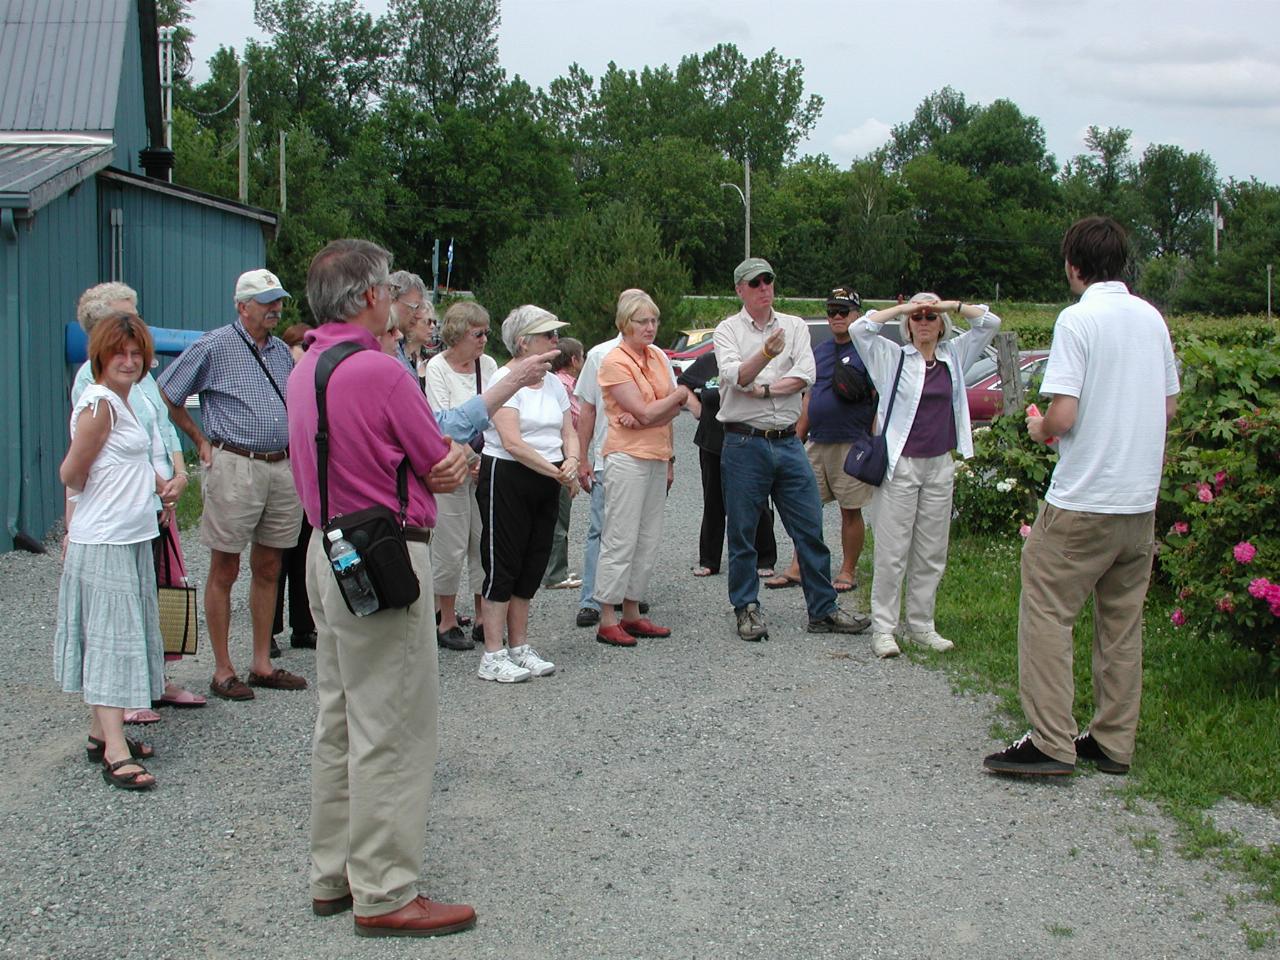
(116, 505)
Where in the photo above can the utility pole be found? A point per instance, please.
(244, 132)
(745, 197)
(1217, 226)
(1268, 292)
(284, 200)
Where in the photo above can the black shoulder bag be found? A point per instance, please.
(377, 533)
(868, 457)
(849, 380)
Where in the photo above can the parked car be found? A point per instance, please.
(984, 386)
(685, 358)
(688, 339)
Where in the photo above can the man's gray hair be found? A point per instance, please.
(96, 302)
(340, 274)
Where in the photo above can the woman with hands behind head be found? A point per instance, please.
(641, 399)
(530, 452)
(930, 419)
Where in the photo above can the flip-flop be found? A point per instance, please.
(183, 700)
(702, 571)
(141, 717)
(842, 585)
(765, 572)
(781, 582)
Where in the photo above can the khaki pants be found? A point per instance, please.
(635, 495)
(374, 750)
(457, 541)
(1068, 555)
(912, 525)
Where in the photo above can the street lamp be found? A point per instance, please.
(746, 207)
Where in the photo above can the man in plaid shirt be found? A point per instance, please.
(240, 371)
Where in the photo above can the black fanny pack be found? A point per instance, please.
(377, 533)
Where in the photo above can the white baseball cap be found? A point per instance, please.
(262, 286)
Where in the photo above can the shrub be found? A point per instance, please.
(1218, 512)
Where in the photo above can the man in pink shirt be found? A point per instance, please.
(374, 749)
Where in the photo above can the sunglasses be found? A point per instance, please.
(833, 312)
(765, 278)
(925, 316)
(480, 334)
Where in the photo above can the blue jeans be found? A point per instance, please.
(753, 469)
(591, 555)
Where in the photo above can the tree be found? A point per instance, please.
(576, 268)
(1237, 283)
(938, 115)
(1175, 192)
(1099, 182)
(448, 51)
(174, 13)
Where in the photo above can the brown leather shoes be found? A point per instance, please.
(419, 917)
(278, 679)
(329, 908)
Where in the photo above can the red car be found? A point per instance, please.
(684, 359)
(982, 383)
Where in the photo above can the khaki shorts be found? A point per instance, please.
(248, 500)
(827, 460)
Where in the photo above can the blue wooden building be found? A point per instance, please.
(84, 198)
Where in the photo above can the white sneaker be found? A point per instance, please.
(931, 639)
(527, 657)
(499, 666)
(883, 645)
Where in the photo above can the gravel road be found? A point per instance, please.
(693, 797)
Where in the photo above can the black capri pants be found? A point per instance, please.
(518, 509)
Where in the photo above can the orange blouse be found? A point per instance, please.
(651, 373)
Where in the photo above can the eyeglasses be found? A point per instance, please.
(480, 334)
(765, 278)
(550, 334)
(415, 307)
(833, 312)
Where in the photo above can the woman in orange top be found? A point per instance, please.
(640, 399)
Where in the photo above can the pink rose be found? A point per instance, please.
(1219, 481)
(1024, 531)
(1273, 593)
(1244, 551)
(1204, 494)
(1178, 617)
(1274, 606)
(1181, 527)
(1226, 604)
(1258, 588)
(1184, 593)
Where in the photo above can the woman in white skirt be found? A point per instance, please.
(454, 376)
(108, 645)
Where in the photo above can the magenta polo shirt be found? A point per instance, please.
(377, 417)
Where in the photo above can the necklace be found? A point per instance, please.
(930, 364)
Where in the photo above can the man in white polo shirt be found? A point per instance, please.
(1114, 386)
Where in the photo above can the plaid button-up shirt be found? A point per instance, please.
(237, 403)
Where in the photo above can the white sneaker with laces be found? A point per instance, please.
(500, 667)
(527, 657)
(883, 645)
(931, 639)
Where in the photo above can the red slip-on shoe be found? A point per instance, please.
(615, 636)
(644, 627)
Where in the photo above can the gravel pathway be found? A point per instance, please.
(694, 797)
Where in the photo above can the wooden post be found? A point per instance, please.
(1010, 372)
(244, 132)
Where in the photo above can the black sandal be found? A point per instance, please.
(96, 752)
(127, 781)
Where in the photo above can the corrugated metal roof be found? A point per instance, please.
(33, 174)
(60, 63)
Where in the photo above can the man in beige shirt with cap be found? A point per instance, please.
(765, 362)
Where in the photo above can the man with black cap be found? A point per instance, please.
(765, 362)
(241, 372)
(836, 411)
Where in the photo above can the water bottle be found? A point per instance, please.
(353, 580)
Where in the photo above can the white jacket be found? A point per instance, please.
(881, 358)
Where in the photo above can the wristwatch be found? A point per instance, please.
(767, 392)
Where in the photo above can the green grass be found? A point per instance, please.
(190, 504)
(1210, 721)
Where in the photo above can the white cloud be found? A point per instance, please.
(863, 138)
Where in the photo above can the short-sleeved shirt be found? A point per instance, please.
(832, 419)
(378, 417)
(115, 505)
(649, 372)
(1112, 352)
(933, 431)
(541, 414)
(587, 389)
(237, 402)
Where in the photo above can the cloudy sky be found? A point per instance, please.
(1195, 73)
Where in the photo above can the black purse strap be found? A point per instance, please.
(329, 361)
(479, 388)
(893, 392)
(257, 356)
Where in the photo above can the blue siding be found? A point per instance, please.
(130, 132)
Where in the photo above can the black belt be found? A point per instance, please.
(781, 433)
(273, 456)
(418, 534)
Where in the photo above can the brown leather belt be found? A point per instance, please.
(781, 433)
(273, 457)
(418, 534)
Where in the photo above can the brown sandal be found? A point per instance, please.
(127, 781)
(97, 749)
